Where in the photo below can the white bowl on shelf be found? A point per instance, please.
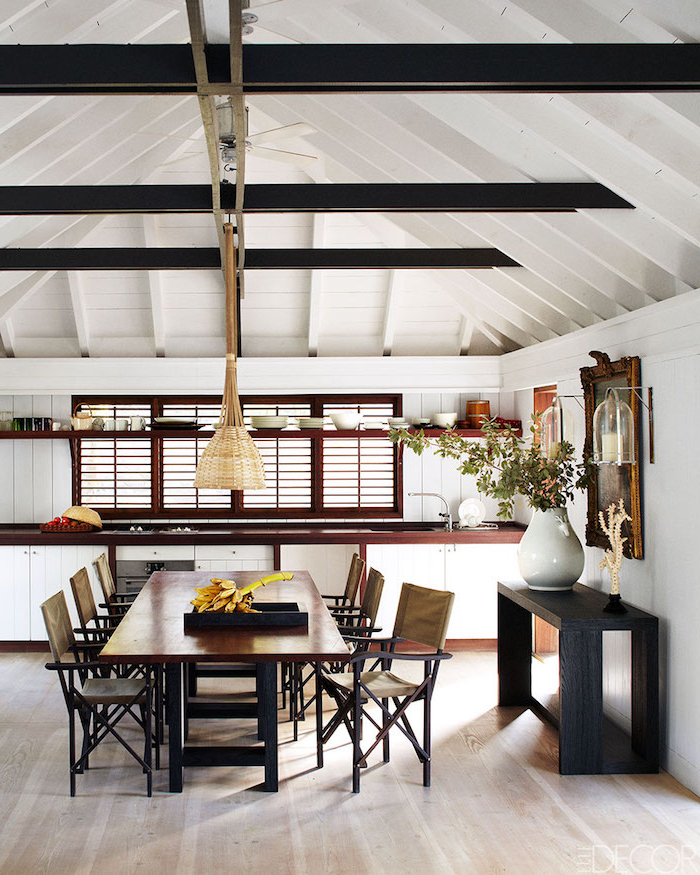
(444, 420)
(346, 421)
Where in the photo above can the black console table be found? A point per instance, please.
(589, 744)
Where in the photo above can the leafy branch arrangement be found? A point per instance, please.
(507, 465)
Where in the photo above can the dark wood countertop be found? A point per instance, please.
(271, 533)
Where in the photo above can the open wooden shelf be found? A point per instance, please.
(184, 433)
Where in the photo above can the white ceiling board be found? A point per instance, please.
(46, 324)
(577, 268)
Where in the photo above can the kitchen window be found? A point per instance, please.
(315, 474)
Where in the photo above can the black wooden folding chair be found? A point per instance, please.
(422, 617)
(99, 702)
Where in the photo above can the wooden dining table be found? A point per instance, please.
(153, 632)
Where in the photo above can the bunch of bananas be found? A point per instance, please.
(224, 596)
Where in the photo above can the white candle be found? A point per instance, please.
(609, 448)
(553, 449)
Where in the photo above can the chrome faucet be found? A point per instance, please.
(447, 516)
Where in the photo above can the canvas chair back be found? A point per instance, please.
(84, 599)
(372, 595)
(357, 566)
(423, 615)
(58, 627)
(104, 575)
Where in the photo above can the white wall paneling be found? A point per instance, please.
(23, 469)
(665, 582)
(7, 454)
(282, 375)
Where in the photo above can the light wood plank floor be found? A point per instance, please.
(497, 803)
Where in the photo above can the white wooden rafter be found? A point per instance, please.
(77, 297)
(390, 310)
(155, 287)
(351, 139)
(318, 229)
(466, 332)
(7, 335)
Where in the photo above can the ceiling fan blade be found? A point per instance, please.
(274, 135)
(286, 157)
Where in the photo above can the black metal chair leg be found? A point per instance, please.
(71, 740)
(385, 743)
(356, 730)
(426, 738)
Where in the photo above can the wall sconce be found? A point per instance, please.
(613, 431)
(557, 425)
(613, 427)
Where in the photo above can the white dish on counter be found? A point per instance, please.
(472, 513)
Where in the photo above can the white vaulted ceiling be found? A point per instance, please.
(577, 268)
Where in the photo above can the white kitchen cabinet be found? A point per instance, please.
(156, 552)
(29, 575)
(471, 571)
(328, 564)
(14, 580)
(236, 557)
(423, 564)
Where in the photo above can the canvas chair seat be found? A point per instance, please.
(382, 684)
(113, 691)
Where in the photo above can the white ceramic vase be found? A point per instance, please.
(550, 556)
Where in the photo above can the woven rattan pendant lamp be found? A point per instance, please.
(230, 460)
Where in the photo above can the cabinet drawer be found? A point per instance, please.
(147, 552)
(225, 552)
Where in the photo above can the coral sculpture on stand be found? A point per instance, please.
(612, 560)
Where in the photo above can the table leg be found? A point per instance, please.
(645, 695)
(319, 716)
(581, 703)
(514, 653)
(267, 704)
(174, 710)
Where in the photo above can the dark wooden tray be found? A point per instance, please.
(271, 614)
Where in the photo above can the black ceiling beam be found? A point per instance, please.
(122, 258)
(426, 197)
(318, 259)
(311, 68)
(353, 68)
(314, 197)
(193, 258)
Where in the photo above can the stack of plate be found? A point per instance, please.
(269, 421)
(311, 422)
